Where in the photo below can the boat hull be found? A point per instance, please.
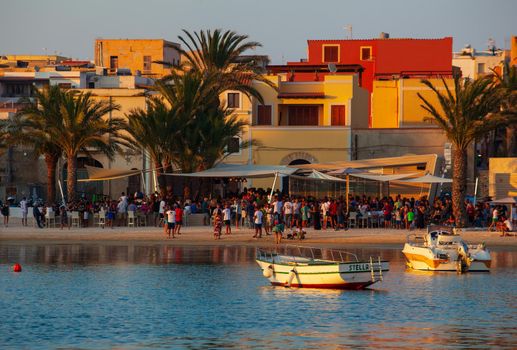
(330, 275)
(423, 259)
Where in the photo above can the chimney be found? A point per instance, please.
(384, 35)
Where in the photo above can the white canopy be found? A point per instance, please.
(100, 174)
(246, 170)
(381, 177)
(316, 175)
(427, 179)
(346, 171)
(507, 200)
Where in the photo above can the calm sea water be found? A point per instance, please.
(162, 297)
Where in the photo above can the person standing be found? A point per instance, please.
(171, 221)
(288, 212)
(495, 218)
(227, 219)
(5, 213)
(179, 219)
(258, 222)
(25, 210)
(37, 215)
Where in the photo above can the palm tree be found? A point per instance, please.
(26, 127)
(152, 130)
(220, 55)
(507, 81)
(464, 114)
(81, 126)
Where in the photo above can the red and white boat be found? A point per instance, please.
(308, 267)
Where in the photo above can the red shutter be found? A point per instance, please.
(303, 115)
(264, 115)
(337, 114)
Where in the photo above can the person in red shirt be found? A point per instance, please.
(179, 218)
(333, 214)
(387, 209)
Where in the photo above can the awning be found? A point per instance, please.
(347, 171)
(316, 175)
(301, 95)
(382, 178)
(101, 174)
(238, 170)
(507, 200)
(427, 179)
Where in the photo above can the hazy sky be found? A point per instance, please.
(69, 27)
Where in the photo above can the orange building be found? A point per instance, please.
(136, 55)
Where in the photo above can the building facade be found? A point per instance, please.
(136, 56)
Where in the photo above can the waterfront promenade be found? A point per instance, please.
(203, 235)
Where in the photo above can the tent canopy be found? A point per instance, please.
(316, 175)
(507, 200)
(380, 177)
(427, 179)
(246, 170)
(101, 174)
(346, 171)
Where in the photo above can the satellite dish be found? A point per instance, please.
(332, 67)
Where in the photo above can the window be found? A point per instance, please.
(65, 85)
(366, 53)
(481, 68)
(330, 53)
(234, 145)
(303, 115)
(337, 115)
(91, 85)
(233, 100)
(147, 63)
(113, 63)
(264, 115)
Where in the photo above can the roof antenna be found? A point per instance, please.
(348, 28)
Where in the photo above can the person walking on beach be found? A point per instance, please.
(25, 210)
(63, 216)
(5, 213)
(278, 229)
(495, 218)
(37, 215)
(258, 222)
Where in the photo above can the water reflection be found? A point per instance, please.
(162, 296)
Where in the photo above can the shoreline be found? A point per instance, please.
(203, 236)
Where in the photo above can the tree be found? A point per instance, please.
(151, 130)
(507, 82)
(220, 56)
(27, 128)
(464, 114)
(80, 125)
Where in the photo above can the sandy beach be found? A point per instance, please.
(202, 235)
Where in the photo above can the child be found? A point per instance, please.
(227, 216)
(217, 226)
(278, 229)
(64, 216)
(410, 218)
(110, 216)
(398, 220)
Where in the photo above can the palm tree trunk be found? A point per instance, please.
(511, 144)
(459, 185)
(71, 176)
(51, 162)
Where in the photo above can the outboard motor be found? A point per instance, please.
(463, 260)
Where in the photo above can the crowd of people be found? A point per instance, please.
(266, 214)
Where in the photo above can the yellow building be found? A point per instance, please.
(502, 178)
(514, 50)
(395, 102)
(136, 55)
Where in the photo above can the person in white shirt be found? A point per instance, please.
(171, 221)
(161, 211)
(227, 217)
(495, 218)
(288, 212)
(325, 212)
(258, 222)
(25, 210)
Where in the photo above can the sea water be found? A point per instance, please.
(136, 296)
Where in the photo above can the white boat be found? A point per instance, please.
(308, 267)
(442, 249)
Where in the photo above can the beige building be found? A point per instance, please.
(502, 178)
(136, 55)
(474, 64)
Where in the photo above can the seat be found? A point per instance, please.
(352, 220)
(50, 219)
(101, 220)
(76, 222)
(131, 219)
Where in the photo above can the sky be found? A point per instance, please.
(69, 27)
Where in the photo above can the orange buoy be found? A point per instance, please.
(17, 267)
